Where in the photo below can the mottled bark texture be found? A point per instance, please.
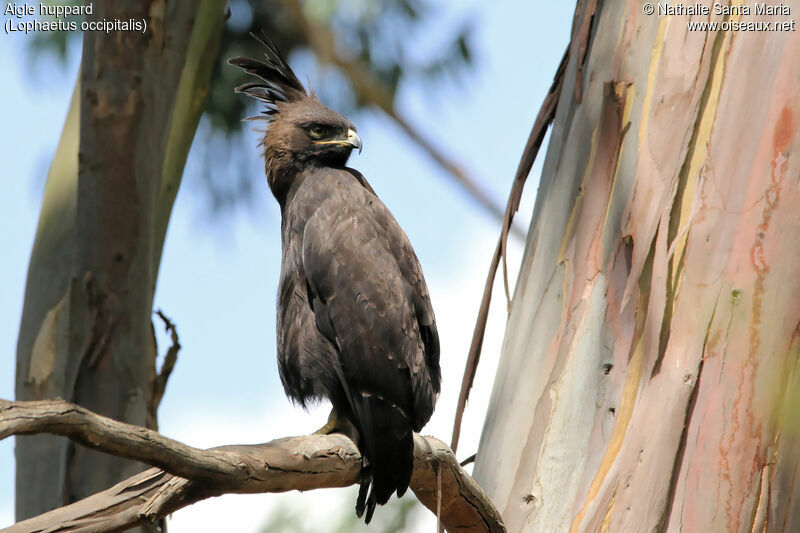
(86, 332)
(648, 378)
(292, 463)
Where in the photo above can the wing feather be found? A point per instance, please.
(370, 301)
(359, 264)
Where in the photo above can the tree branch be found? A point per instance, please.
(186, 475)
(370, 89)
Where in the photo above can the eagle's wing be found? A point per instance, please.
(419, 300)
(370, 300)
(411, 272)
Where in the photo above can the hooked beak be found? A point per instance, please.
(354, 140)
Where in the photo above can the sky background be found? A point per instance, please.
(219, 276)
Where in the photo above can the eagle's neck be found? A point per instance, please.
(296, 208)
(284, 171)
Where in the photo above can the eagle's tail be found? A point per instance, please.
(386, 441)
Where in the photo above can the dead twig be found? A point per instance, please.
(160, 381)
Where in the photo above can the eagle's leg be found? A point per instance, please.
(329, 427)
(338, 424)
(341, 424)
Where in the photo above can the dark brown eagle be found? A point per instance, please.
(355, 322)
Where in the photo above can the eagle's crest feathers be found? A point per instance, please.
(279, 82)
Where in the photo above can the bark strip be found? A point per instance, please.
(535, 139)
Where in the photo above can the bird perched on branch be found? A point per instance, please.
(355, 322)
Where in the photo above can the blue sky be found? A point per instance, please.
(218, 277)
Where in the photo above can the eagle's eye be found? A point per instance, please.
(317, 131)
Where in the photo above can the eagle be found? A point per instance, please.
(355, 323)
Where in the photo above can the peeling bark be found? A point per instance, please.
(650, 362)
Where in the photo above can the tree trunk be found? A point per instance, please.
(86, 332)
(649, 374)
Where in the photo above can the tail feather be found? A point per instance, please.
(361, 501)
(387, 443)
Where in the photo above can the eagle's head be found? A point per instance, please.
(301, 130)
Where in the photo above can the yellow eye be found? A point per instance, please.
(317, 132)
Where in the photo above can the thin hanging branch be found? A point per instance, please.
(543, 120)
(577, 49)
(186, 475)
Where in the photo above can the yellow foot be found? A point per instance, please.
(332, 426)
(338, 425)
(327, 429)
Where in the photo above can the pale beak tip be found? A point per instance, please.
(354, 140)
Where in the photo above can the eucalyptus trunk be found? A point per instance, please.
(649, 374)
(86, 332)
